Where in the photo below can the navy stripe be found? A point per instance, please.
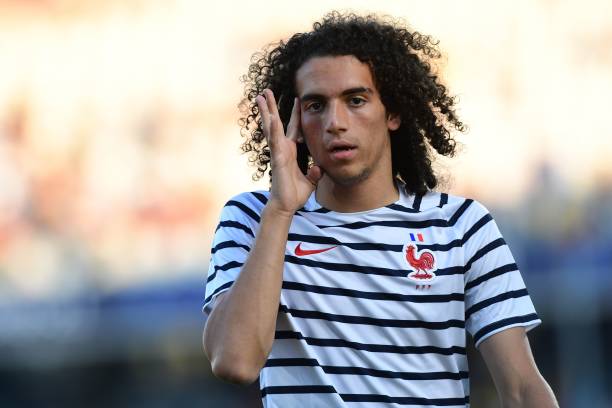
(368, 246)
(371, 270)
(405, 400)
(321, 210)
(495, 299)
(499, 242)
(456, 243)
(373, 295)
(377, 348)
(330, 369)
(495, 272)
(505, 322)
(477, 226)
(318, 210)
(328, 389)
(229, 244)
(244, 208)
(459, 212)
(224, 267)
(398, 207)
(219, 289)
(235, 224)
(416, 205)
(314, 239)
(292, 362)
(453, 270)
(359, 246)
(372, 321)
(396, 224)
(298, 389)
(443, 200)
(377, 246)
(409, 224)
(396, 374)
(260, 197)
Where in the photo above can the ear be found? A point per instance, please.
(393, 121)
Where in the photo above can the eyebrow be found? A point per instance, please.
(350, 91)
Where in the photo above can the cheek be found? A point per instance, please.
(310, 130)
(308, 124)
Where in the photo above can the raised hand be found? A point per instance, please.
(290, 188)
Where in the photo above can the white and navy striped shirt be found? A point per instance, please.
(375, 305)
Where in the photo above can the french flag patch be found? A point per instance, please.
(419, 236)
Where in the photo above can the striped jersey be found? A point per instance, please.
(375, 305)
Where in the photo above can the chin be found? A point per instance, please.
(348, 179)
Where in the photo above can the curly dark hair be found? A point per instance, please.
(401, 64)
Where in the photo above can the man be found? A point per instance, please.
(351, 282)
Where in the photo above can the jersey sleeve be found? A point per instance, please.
(495, 295)
(232, 242)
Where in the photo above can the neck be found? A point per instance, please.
(361, 196)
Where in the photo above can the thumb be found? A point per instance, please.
(314, 174)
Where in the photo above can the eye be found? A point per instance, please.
(313, 106)
(357, 101)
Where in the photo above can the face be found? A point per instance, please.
(344, 123)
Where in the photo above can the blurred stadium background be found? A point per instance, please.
(119, 146)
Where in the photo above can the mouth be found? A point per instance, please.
(343, 151)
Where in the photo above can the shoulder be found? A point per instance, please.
(465, 205)
(252, 198)
(247, 204)
(459, 212)
(448, 203)
(474, 224)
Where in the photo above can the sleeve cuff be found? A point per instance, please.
(529, 321)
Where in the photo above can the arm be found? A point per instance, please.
(516, 377)
(239, 332)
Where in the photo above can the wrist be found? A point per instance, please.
(274, 210)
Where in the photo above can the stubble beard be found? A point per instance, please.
(350, 180)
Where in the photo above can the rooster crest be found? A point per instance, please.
(424, 263)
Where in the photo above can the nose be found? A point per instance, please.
(336, 118)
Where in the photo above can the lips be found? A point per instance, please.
(340, 150)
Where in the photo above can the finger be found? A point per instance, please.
(271, 100)
(293, 129)
(265, 114)
(314, 174)
(275, 126)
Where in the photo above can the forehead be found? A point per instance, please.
(332, 75)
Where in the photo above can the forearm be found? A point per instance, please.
(536, 394)
(514, 371)
(240, 330)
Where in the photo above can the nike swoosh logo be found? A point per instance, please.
(302, 252)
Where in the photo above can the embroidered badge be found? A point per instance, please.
(424, 263)
(299, 251)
